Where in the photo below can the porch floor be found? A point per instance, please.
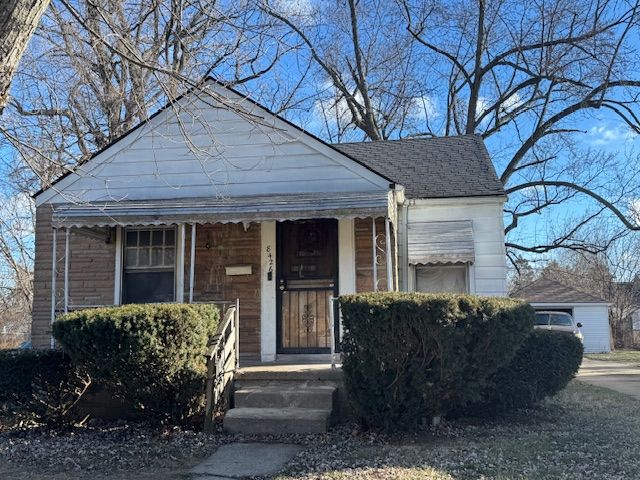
(288, 369)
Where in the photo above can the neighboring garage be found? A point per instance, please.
(591, 311)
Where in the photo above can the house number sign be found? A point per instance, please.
(269, 263)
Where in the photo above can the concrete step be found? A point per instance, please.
(276, 420)
(319, 397)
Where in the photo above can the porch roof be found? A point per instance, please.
(224, 210)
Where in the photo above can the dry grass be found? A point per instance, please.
(585, 432)
(623, 356)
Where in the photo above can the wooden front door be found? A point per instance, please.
(307, 278)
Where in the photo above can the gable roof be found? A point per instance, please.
(442, 167)
(439, 167)
(545, 290)
(219, 85)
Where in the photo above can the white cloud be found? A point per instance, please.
(335, 109)
(292, 8)
(605, 134)
(424, 108)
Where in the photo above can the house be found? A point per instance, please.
(591, 311)
(216, 198)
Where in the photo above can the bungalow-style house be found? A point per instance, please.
(216, 198)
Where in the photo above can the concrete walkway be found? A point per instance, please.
(240, 460)
(621, 377)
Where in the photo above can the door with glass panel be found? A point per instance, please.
(307, 277)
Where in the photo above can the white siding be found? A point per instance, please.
(488, 274)
(227, 154)
(595, 327)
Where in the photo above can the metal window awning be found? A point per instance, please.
(223, 210)
(440, 242)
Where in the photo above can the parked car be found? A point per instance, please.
(559, 322)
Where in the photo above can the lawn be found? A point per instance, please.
(584, 433)
(624, 356)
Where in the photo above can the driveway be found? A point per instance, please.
(621, 377)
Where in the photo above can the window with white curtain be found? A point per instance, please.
(442, 278)
(149, 265)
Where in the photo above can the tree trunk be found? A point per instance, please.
(18, 21)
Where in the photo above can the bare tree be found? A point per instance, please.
(96, 68)
(18, 20)
(365, 70)
(525, 76)
(531, 73)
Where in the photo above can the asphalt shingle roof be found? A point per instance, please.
(439, 167)
(545, 290)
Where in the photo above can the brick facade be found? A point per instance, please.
(91, 265)
(92, 262)
(219, 246)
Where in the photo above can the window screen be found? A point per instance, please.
(149, 265)
(441, 278)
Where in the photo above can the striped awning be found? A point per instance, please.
(440, 242)
(223, 210)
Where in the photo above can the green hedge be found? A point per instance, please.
(544, 364)
(409, 357)
(39, 385)
(151, 356)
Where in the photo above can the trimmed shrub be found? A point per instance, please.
(409, 356)
(544, 364)
(151, 356)
(39, 385)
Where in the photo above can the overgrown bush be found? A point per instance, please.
(408, 357)
(151, 356)
(39, 385)
(544, 364)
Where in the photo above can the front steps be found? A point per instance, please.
(286, 401)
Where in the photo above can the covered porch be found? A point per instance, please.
(285, 257)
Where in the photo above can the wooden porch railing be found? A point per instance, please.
(222, 361)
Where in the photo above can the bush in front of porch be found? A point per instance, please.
(152, 356)
(39, 386)
(411, 356)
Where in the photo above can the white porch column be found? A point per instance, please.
(346, 259)
(387, 242)
(66, 269)
(374, 253)
(117, 277)
(54, 261)
(192, 261)
(346, 256)
(268, 291)
(180, 247)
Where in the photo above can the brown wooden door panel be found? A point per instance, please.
(305, 319)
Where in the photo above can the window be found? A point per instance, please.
(149, 265)
(441, 278)
(542, 319)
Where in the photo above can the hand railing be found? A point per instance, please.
(223, 358)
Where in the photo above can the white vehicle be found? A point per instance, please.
(559, 322)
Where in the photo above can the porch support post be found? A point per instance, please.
(180, 263)
(117, 277)
(192, 261)
(375, 254)
(66, 269)
(387, 242)
(268, 335)
(53, 282)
